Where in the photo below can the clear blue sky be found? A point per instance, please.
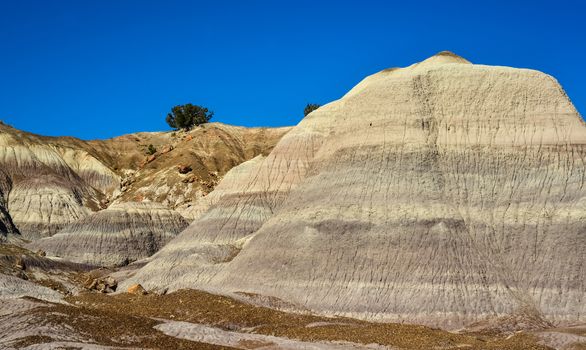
(97, 69)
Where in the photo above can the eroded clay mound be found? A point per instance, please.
(121, 234)
(41, 192)
(441, 193)
(186, 165)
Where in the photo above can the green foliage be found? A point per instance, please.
(151, 150)
(310, 108)
(187, 116)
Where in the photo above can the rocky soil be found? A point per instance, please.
(71, 312)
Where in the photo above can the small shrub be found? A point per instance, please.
(310, 108)
(151, 150)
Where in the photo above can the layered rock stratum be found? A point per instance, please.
(116, 236)
(47, 183)
(442, 193)
(7, 227)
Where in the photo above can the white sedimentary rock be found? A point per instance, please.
(13, 287)
(43, 192)
(441, 193)
(121, 234)
(234, 182)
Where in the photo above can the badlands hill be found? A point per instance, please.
(115, 236)
(443, 193)
(47, 183)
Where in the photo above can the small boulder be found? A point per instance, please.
(184, 169)
(189, 179)
(91, 284)
(41, 252)
(167, 149)
(137, 289)
(110, 282)
(104, 285)
(19, 263)
(21, 275)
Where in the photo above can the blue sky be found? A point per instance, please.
(97, 69)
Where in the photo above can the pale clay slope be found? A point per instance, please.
(441, 193)
(12, 287)
(121, 234)
(42, 193)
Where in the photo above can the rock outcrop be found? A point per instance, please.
(6, 225)
(41, 192)
(47, 183)
(442, 193)
(209, 151)
(136, 289)
(116, 236)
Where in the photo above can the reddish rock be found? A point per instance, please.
(167, 149)
(102, 284)
(137, 289)
(184, 169)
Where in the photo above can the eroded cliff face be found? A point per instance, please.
(442, 193)
(116, 236)
(6, 225)
(44, 193)
(47, 183)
